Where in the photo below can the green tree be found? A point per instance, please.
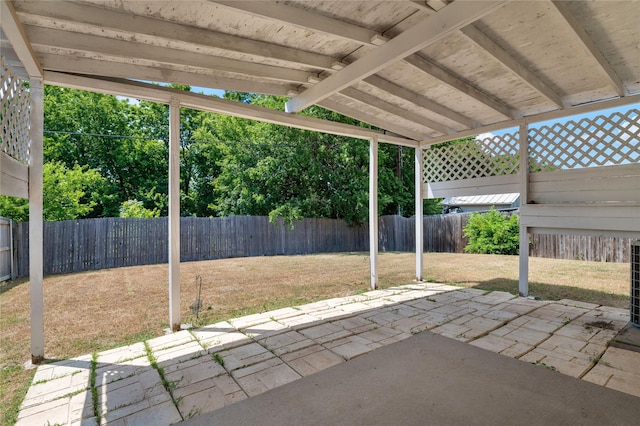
(290, 173)
(228, 165)
(68, 193)
(136, 209)
(492, 233)
(104, 133)
(14, 208)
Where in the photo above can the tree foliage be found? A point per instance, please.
(106, 156)
(68, 193)
(492, 233)
(135, 209)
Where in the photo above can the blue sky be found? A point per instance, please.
(196, 89)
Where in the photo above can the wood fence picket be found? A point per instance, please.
(90, 244)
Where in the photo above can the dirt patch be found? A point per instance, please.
(599, 324)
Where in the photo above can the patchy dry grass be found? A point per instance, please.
(94, 311)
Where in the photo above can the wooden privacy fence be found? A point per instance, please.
(6, 250)
(90, 244)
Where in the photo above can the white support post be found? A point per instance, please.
(36, 225)
(523, 277)
(174, 215)
(373, 211)
(419, 220)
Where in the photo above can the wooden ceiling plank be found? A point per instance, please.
(64, 63)
(460, 84)
(591, 48)
(504, 57)
(422, 101)
(424, 33)
(41, 36)
(13, 30)
(89, 42)
(395, 110)
(121, 21)
(304, 19)
(370, 119)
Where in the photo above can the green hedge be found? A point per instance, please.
(492, 233)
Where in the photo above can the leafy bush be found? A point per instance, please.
(136, 209)
(492, 233)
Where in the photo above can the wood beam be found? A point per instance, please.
(61, 39)
(65, 63)
(374, 121)
(421, 5)
(536, 118)
(614, 80)
(396, 110)
(460, 85)
(306, 20)
(431, 30)
(43, 37)
(221, 106)
(14, 177)
(87, 42)
(422, 101)
(13, 30)
(117, 48)
(505, 58)
(128, 23)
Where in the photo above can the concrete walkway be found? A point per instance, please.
(181, 375)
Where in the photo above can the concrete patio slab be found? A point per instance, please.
(312, 359)
(617, 369)
(432, 380)
(193, 372)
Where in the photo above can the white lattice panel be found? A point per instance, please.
(589, 142)
(478, 158)
(15, 114)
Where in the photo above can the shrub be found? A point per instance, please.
(136, 209)
(492, 233)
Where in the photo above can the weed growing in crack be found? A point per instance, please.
(218, 359)
(204, 345)
(542, 364)
(194, 412)
(168, 385)
(598, 360)
(94, 390)
(70, 394)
